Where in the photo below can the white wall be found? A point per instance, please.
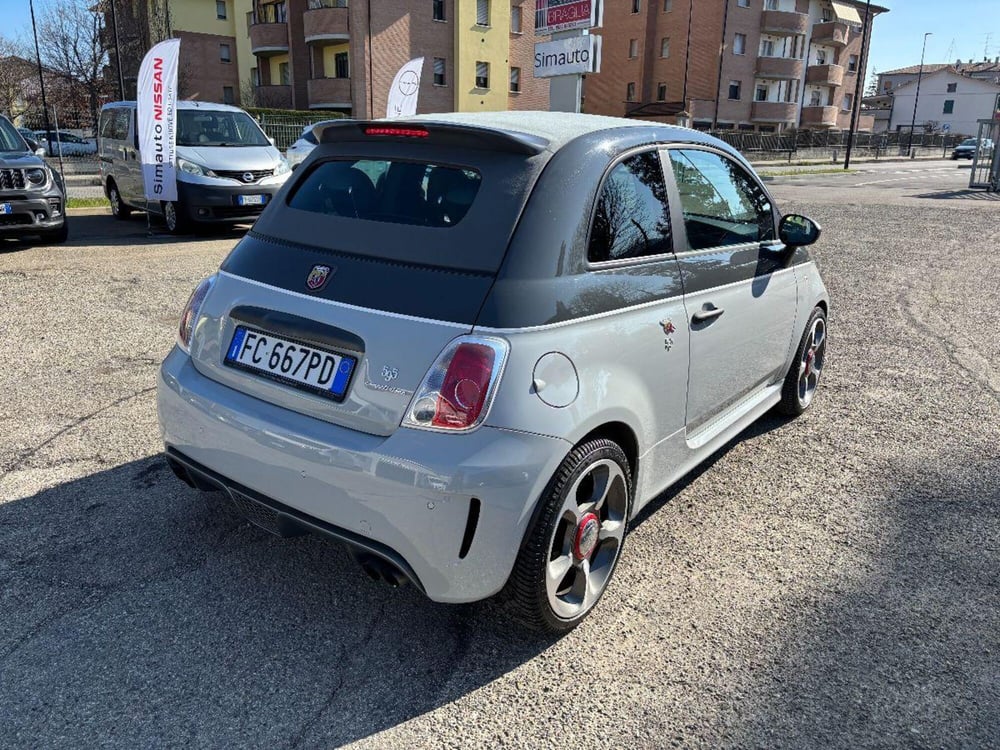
(974, 100)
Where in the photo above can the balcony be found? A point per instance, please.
(825, 75)
(329, 93)
(324, 21)
(833, 33)
(819, 117)
(773, 112)
(267, 39)
(779, 68)
(274, 97)
(784, 22)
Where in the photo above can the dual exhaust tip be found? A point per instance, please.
(380, 570)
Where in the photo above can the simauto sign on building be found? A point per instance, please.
(563, 15)
(573, 56)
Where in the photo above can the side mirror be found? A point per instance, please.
(40, 152)
(272, 141)
(32, 144)
(798, 231)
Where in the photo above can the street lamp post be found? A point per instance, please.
(916, 97)
(41, 75)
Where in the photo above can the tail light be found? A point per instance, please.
(191, 310)
(457, 391)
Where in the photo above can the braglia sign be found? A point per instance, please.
(563, 15)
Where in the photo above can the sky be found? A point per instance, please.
(961, 28)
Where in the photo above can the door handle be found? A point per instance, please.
(710, 312)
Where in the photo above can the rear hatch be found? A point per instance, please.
(381, 251)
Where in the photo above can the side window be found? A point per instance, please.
(119, 126)
(104, 127)
(632, 218)
(722, 204)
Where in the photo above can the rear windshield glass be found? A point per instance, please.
(398, 192)
(200, 127)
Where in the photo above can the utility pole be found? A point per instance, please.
(41, 78)
(916, 97)
(861, 72)
(118, 52)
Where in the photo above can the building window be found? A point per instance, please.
(740, 44)
(821, 57)
(852, 64)
(770, 4)
(665, 47)
(743, 3)
(227, 95)
(437, 12)
(482, 75)
(633, 49)
(766, 48)
(661, 92)
(668, 5)
(515, 80)
(949, 106)
(255, 76)
(734, 89)
(341, 66)
(636, 6)
(439, 79)
(952, 88)
(814, 98)
(515, 19)
(225, 53)
(848, 102)
(630, 92)
(482, 12)
(761, 94)
(220, 9)
(284, 74)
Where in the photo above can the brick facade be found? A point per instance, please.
(202, 74)
(702, 62)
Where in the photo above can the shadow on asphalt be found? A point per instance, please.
(138, 612)
(966, 194)
(90, 230)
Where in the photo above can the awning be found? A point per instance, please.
(846, 13)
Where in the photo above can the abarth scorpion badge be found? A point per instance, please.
(668, 328)
(318, 277)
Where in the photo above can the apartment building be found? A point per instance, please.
(343, 54)
(752, 65)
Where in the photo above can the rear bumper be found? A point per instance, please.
(219, 204)
(33, 215)
(405, 498)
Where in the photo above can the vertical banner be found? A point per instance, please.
(157, 120)
(405, 88)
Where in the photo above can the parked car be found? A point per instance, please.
(66, 144)
(32, 196)
(967, 148)
(228, 170)
(303, 146)
(474, 346)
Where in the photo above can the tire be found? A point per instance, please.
(118, 208)
(802, 380)
(564, 536)
(175, 218)
(57, 236)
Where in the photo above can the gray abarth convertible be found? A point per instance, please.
(473, 346)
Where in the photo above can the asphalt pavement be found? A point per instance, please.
(830, 581)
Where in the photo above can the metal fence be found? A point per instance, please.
(286, 128)
(821, 143)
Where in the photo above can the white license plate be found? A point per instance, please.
(306, 367)
(6, 208)
(251, 200)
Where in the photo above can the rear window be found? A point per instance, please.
(397, 192)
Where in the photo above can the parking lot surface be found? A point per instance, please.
(828, 581)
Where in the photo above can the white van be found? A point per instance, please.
(227, 168)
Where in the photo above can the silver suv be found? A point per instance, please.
(473, 346)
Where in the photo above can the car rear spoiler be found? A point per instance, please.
(448, 134)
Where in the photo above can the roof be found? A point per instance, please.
(184, 104)
(558, 128)
(946, 70)
(915, 69)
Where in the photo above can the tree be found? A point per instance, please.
(872, 88)
(71, 42)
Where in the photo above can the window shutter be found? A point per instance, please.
(483, 12)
